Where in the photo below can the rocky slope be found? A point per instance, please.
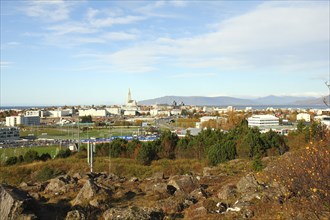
(106, 196)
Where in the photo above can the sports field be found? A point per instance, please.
(72, 132)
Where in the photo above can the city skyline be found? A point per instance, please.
(92, 52)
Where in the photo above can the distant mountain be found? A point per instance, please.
(199, 100)
(281, 100)
(313, 101)
(225, 101)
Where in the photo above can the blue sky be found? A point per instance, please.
(90, 52)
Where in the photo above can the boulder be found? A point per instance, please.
(75, 215)
(133, 213)
(199, 194)
(247, 183)
(15, 204)
(158, 175)
(58, 185)
(184, 184)
(227, 192)
(86, 193)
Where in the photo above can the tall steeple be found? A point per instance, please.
(129, 97)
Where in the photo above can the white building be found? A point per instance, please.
(9, 134)
(114, 111)
(176, 112)
(39, 113)
(157, 112)
(93, 112)
(22, 120)
(323, 119)
(208, 118)
(60, 113)
(304, 116)
(131, 108)
(263, 120)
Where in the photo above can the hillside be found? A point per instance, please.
(226, 100)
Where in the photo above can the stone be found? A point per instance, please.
(227, 192)
(57, 185)
(133, 213)
(210, 205)
(184, 184)
(247, 183)
(86, 193)
(134, 179)
(15, 204)
(158, 175)
(75, 215)
(199, 194)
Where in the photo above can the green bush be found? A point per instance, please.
(47, 173)
(45, 157)
(147, 153)
(30, 156)
(257, 163)
(63, 153)
(220, 153)
(11, 161)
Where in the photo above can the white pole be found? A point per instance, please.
(91, 147)
(88, 152)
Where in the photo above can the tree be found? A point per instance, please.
(11, 161)
(147, 153)
(45, 157)
(63, 153)
(257, 163)
(30, 156)
(168, 141)
(118, 148)
(221, 152)
(86, 119)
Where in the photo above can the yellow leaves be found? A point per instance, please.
(313, 190)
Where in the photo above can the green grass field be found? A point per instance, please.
(10, 152)
(72, 132)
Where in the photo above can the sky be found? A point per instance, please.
(91, 52)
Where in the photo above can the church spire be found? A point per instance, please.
(129, 97)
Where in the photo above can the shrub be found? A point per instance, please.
(118, 147)
(47, 173)
(220, 153)
(45, 157)
(147, 153)
(63, 153)
(11, 161)
(306, 174)
(257, 163)
(30, 156)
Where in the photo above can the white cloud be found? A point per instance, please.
(5, 64)
(283, 36)
(178, 3)
(193, 75)
(48, 11)
(70, 28)
(118, 36)
(101, 19)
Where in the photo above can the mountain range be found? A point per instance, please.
(226, 100)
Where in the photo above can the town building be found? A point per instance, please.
(114, 111)
(93, 112)
(9, 134)
(39, 113)
(60, 113)
(323, 119)
(263, 120)
(304, 116)
(22, 120)
(131, 108)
